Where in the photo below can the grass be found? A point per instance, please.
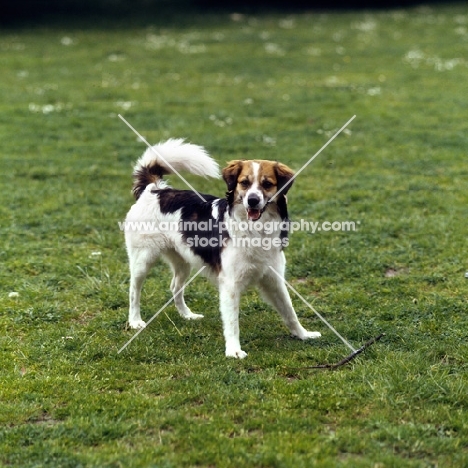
(269, 86)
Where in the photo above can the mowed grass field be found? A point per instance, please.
(271, 86)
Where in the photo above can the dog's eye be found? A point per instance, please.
(244, 183)
(266, 184)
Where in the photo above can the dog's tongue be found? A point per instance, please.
(253, 214)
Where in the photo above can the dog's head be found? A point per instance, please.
(254, 183)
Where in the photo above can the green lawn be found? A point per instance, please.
(268, 87)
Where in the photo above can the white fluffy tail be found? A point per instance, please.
(169, 157)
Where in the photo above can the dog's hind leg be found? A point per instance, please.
(141, 261)
(181, 271)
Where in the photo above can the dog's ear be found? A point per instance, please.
(284, 176)
(231, 173)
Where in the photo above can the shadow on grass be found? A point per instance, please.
(132, 13)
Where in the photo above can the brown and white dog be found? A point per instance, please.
(238, 238)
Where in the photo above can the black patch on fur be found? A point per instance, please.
(282, 207)
(230, 199)
(144, 176)
(199, 229)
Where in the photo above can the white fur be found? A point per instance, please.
(242, 267)
(215, 209)
(181, 157)
(255, 189)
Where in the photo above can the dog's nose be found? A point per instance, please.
(253, 200)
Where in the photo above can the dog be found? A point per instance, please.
(239, 238)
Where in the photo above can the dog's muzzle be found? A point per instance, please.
(253, 210)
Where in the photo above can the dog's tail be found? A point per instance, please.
(170, 157)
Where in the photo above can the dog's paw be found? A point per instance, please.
(193, 316)
(308, 335)
(137, 324)
(236, 353)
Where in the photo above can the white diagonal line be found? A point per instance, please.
(161, 309)
(290, 181)
(313, 310)
(142, 138)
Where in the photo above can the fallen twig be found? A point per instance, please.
(348, 358)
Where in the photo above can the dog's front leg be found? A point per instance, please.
(229, 297)
(274, 291)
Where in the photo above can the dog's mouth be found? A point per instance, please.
(253, 214)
